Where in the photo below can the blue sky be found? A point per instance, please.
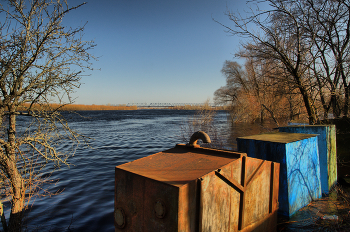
(155, 51)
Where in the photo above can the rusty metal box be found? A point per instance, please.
(196, 189)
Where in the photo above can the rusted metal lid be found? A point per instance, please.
(181, 164)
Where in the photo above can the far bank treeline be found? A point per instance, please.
(81, 107)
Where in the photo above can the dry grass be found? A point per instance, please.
(80, 107)
(203, 120)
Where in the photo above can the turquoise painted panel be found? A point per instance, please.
(299, 171)
(303, 173)
(326, 148)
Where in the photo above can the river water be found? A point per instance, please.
(87, 200)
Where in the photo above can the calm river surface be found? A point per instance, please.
(87, 200)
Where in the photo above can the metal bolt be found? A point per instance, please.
(119, 217)
(159, 208)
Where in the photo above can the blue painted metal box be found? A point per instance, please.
(326, 148)
(299, 171)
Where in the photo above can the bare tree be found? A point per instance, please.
(280, 38)
(41, 61)
(256, 92)
(328, 26)
(228, 93)
(309, 40)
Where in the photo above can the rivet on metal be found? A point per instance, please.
(119, 217)
(159, 209)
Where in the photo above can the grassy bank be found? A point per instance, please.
(80, 107)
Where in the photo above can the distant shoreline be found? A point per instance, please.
(81, 107)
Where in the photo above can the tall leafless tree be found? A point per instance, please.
(309, 39)
(328, 26)
(41, 60)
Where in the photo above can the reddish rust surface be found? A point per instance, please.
(200, 189)
(180, 165)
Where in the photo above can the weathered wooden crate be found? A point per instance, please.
(196, 189)
(327, 150)
(297, 154)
